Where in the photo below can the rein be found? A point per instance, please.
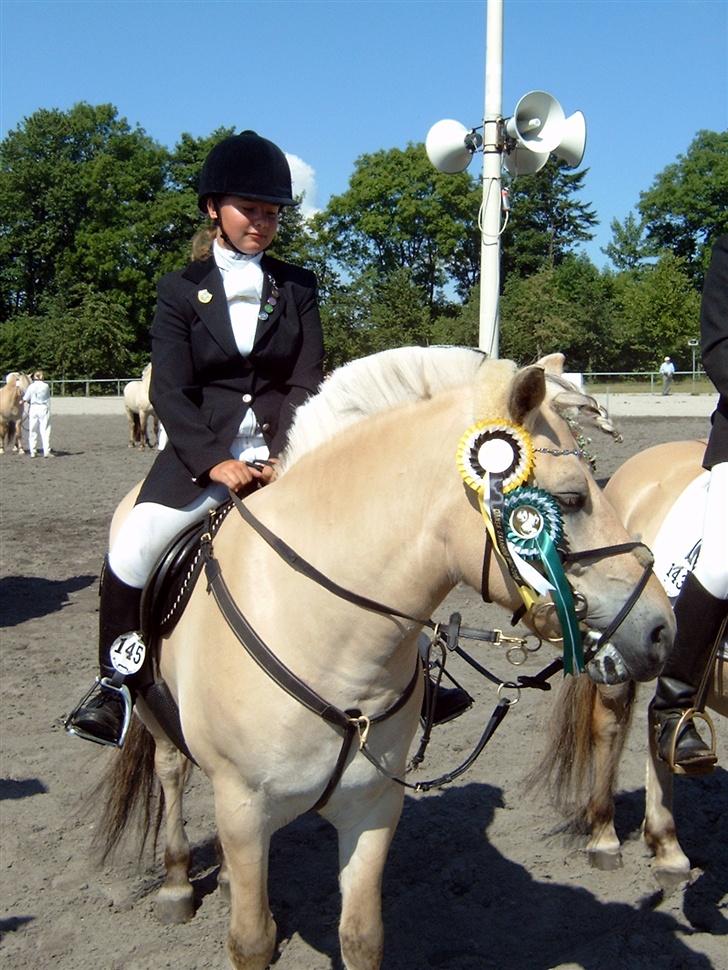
(351, 721)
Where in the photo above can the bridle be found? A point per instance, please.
(352, 722)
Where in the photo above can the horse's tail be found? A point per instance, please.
(567, 768)
(129, 793)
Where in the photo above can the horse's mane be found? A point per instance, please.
(376, 383)
(395, 377)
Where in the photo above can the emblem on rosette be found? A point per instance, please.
(529, 513)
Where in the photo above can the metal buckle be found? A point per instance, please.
(106, 683)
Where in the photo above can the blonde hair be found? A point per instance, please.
(202, 241)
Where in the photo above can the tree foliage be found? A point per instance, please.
(547, 221)
(686, 208)
(400, 212)
(93, 211)
(655, 315)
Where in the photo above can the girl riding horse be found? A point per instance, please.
(236, 347)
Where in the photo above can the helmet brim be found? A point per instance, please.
(272, 199)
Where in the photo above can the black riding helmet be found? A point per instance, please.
(248, 166)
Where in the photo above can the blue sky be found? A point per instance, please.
(329, 80)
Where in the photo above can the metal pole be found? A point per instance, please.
(492, 161)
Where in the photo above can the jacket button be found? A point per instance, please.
(265, 427)
(247, 398)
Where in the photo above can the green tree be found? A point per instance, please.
(559, 309)
(656, 314)
(399, 212)
(686, 207)
(628, 248)
(546, 221)
(75, 192)
(372, 313)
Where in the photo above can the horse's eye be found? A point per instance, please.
(571, 501)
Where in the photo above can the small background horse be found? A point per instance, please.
(139, 410)
(643, 491)
(369, 492)
(11, 412)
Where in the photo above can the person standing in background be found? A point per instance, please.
(38, 399)
(667, 369)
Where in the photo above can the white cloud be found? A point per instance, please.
(304, 182)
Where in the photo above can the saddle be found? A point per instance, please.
(164, 599)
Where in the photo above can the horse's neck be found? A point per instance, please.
(369, 507)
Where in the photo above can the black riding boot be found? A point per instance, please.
(699, 618)
(101, 717)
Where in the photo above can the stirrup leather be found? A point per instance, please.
(691, 715)
(107, 684)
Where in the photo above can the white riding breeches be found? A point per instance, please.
(711, 568)
(39, 423)
(150, 527)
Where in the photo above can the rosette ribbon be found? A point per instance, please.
(535, 527)
(494, 459)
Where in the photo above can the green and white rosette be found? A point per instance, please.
(534, 530)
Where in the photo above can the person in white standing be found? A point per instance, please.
(38, 399)
(667, 369)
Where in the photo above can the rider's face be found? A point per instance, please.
(250, 225)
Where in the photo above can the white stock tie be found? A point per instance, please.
(244, 282)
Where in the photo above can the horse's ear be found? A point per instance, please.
(528, 391)
(552, 363)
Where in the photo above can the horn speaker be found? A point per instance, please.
(450, 146)
(539, 127)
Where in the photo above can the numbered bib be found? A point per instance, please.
(127, 653)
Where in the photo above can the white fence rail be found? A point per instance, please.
(114, 386)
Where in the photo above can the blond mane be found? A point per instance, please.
(377, 383)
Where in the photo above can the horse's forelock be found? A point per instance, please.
(373, 384)
(574, 405)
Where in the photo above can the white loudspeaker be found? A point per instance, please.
(539, 127)
(537, 122)
(450, 146)
(522, 161)
(573, 140)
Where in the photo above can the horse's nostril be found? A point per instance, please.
(661, 640)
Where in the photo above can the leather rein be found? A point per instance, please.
(351, 721)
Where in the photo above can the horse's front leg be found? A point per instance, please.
(175, 900)
(245, 842)
(611, 715)
(672, 866)
(365, 833)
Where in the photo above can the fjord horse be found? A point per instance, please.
(643, 492)
(139, 410)
(11, 412)
(370, 494)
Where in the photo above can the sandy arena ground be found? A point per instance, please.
(478, 876)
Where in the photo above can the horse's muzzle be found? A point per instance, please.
(608, 666)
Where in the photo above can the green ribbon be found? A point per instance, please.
(564, 603)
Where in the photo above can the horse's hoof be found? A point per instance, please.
(174, 906)
(671, 880)
(604, 860)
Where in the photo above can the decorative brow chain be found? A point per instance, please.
(558, 452)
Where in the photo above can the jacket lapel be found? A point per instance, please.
(207, 296)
